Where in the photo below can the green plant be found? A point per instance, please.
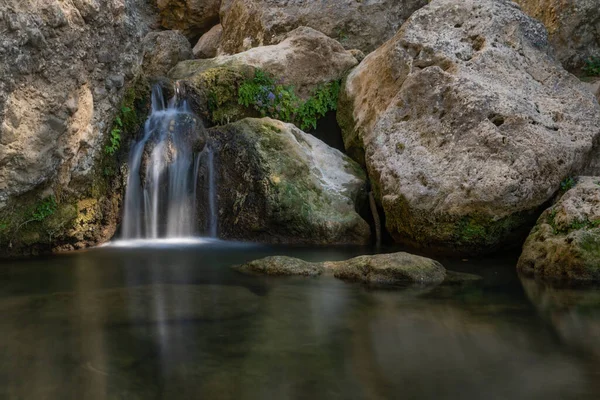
(281, 102)
(567, 184)
(592, 66)
(44, 209)
(116, 131)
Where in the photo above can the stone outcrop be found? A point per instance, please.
(277, 184)
(573, 27)
(395, 269)
(466, 124)
(64, 69)
(565, 243)
(207, 45)
(163, 50)
(305, 60)
(191, 17)
(355, 24)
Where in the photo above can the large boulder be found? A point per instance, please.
(163, 50)
(192, 17)
(565, 243)
(277, 184)
(364, 25)
(573, 27)
(466, 124)
(207, 45)
(66, 68)
(305, 60)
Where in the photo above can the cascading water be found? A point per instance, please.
(160, 199)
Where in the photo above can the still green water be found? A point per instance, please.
(174, 322)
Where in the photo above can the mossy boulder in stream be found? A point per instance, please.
(278, 184)
(565, 243)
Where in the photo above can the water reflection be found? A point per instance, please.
(179, 324)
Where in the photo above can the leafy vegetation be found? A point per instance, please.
(44, 209)
(592, 66)
(116, 131)
(567, 184)
(280, 101)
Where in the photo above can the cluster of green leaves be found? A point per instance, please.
(592, 66)
(44, 209)
(116, 131)
(280, 101)
(567, 184)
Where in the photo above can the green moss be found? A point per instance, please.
(470, 231)
(589, 245)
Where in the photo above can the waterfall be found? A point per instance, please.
(160, 199)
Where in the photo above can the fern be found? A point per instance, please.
(281, 102)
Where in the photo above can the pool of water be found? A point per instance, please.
(173, 321)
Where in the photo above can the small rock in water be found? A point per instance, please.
(281, 266)
(379, 270)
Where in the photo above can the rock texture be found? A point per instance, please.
(565, 243)
(281, 266)
(364, 25)
(163, 50)
(389, 269)
(466, 124)
(573, 27)
(305, 59)
(63, 67)
(191, 17)
(209, 43)
(378, 270)
(277, 184)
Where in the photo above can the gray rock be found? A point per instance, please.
(466, 127)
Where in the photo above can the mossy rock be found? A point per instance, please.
(564, 245)
(213, 89)
(285, 186)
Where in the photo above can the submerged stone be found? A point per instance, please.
(395, 269)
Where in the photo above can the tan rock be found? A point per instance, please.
(191, 17)
(305, 59)
(209, 42)
(364, 25)
(573, 27)
(466, 124)
(163, 50)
